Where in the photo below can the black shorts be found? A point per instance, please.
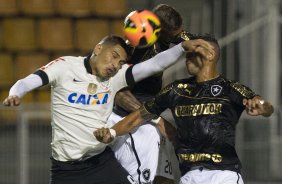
(100, 169)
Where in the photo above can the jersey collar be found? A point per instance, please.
(87, 64)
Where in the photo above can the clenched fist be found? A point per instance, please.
(104, 135)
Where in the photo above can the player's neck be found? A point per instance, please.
(206, 75)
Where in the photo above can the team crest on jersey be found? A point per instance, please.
(216, 90)
(146, 173)
(92, 88)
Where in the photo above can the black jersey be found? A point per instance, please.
(151, 86)
(206, 114)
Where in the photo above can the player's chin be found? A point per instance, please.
(192, 69)
(108, 75)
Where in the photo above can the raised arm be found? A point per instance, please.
(169, 57)
(20, 88)
(43, 76)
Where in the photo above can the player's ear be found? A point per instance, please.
(98, 49)
(210, 57)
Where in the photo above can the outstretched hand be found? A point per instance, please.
(200, 46)
(257, 106)
(103, 135)
(12, 101)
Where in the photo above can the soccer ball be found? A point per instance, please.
(142, 28)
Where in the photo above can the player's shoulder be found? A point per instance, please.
(189, 80)
(73, 59)
(228, 82)
(179, 83)
(234, 84)
(241, 88)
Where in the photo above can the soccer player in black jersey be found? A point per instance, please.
(141, 160)
(206, 108)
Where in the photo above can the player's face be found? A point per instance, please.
(109, 59)
(169, 37)
(194, 63)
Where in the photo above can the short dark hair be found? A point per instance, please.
(207, 37)
(117, 40)
(170, 19)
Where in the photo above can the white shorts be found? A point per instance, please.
(146, 140)
(211, 177)
(168, 165)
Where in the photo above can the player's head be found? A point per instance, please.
(195, 63)
(109, 56)
(171, 22)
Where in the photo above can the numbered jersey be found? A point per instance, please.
(81, 103)
(168, 165)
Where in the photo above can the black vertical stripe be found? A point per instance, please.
(136, 156)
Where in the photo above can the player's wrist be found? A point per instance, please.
(113, 133)
(184, 45)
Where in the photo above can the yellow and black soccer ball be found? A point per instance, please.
(142, 28)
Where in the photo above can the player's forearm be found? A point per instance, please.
(158, 63)
(127, 101)
(132, 121)
(129, 123)
(23, 86)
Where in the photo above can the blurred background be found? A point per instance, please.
(34, 32)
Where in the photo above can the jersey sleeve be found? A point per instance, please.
(161, 102)
(122, 78)
(239, 92)
(53, 70)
